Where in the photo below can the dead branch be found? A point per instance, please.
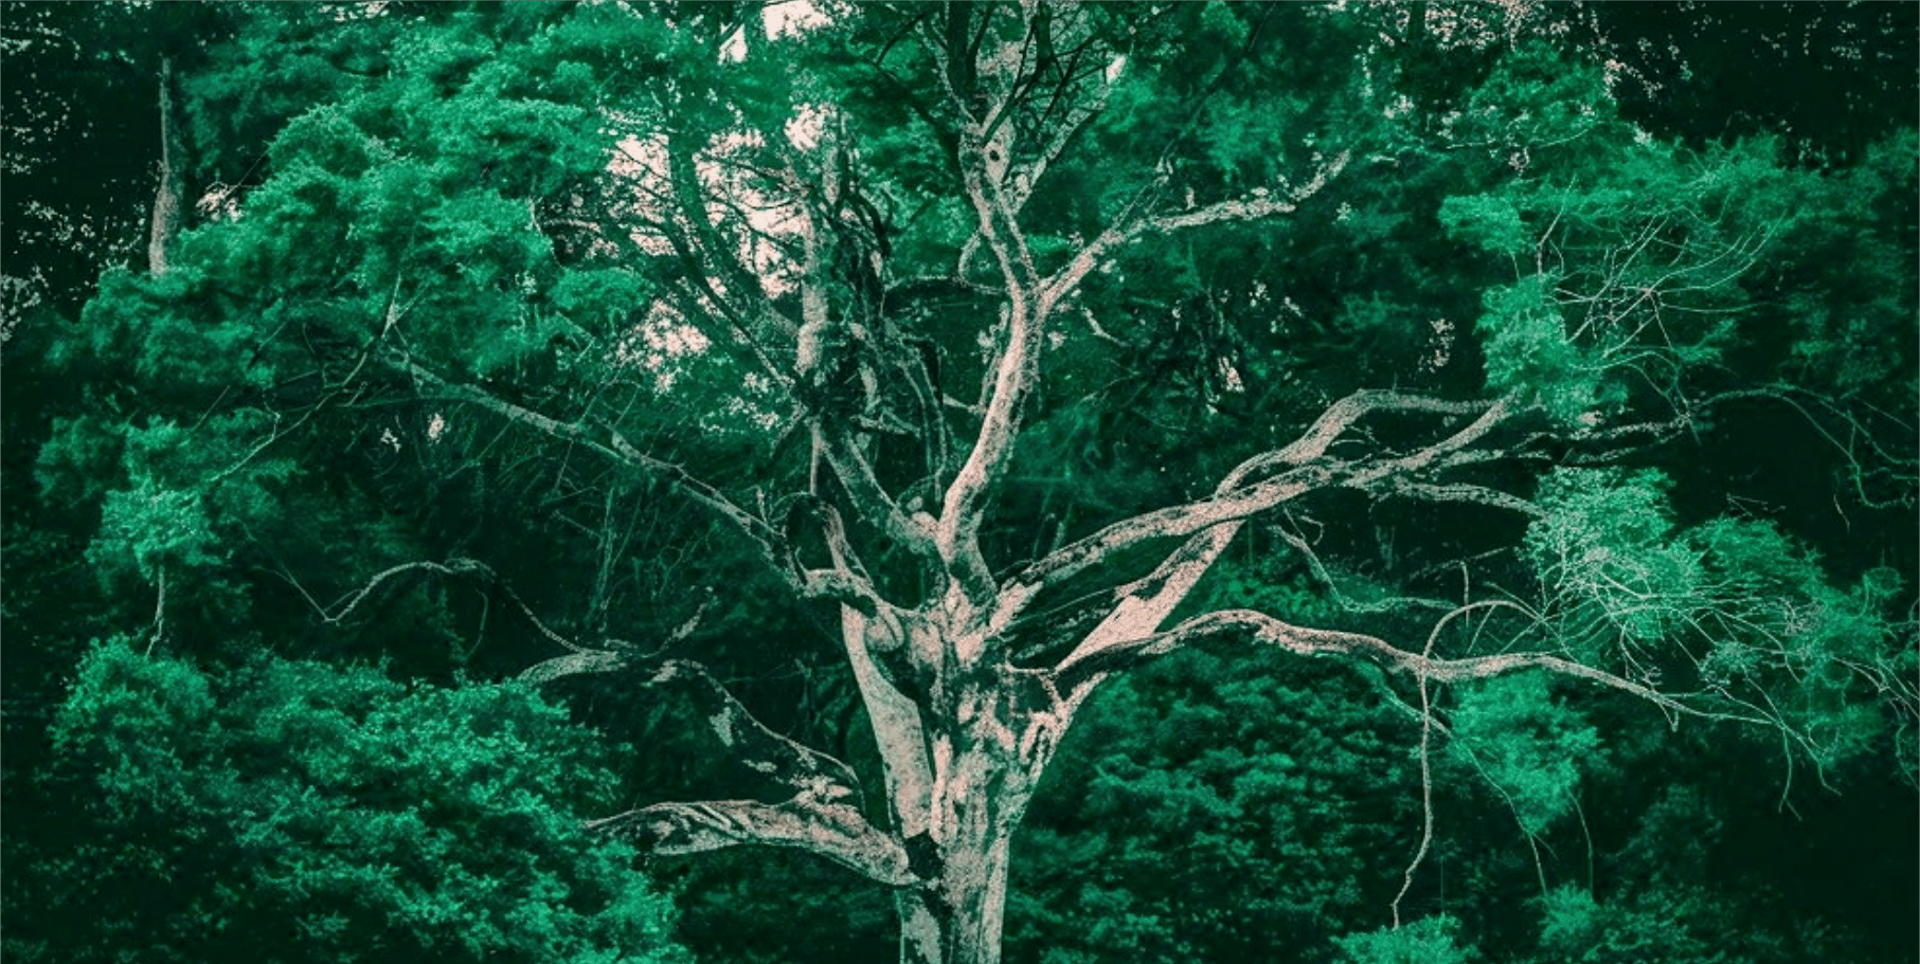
(604, 440)
(1308, 641)
(801, 768)
(1253, 207)
(831, 828)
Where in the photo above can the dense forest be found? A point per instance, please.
(1044, 482)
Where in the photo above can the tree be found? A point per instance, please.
(763, 268)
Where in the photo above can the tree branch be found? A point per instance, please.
(831, 828)
(1306, 641)
(1462, 492)
(1146, 604)
(857, 479)
(1014, 371)
(1064, 281)
(897, 724)
(803, 769)
(604, 440)
(847, 581)
(1171, 522)
(1234, 499)
(345, 605)
(1343, 415)
(1435, 455)
(169, 199)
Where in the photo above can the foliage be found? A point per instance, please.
(1618, 581)
(1429, 939)
(1700, 70)
(1240, 809)
(1680, 923)
(1624, 283)
(1605, 546)
(1529, 746)
(299, 812)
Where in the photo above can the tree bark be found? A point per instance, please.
(964, 744)
(954, 915)
(170, 198)
(958, 919)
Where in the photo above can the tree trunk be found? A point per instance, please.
(956, 917)
(963, 753)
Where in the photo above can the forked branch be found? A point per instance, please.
(1270, 479)
(1251, 208)
(821, 817)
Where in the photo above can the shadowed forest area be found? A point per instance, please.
(1045, 482)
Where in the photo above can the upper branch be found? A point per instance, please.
(1015, 371)
(1303, 468)
(604, 440)
(1462, 492)
(1064, 281)
(1291, 472)
(1436, 455)
(1173, 521)
(1142, 606)
(1337, 419)
(1307, 641)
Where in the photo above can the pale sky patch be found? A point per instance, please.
(750, 208)
(735, 49)
(791, 18)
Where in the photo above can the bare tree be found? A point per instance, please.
(964, 723)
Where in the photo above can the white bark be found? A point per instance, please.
(896, 721)
(1140, 612)
(831, 828)
(170, 198)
